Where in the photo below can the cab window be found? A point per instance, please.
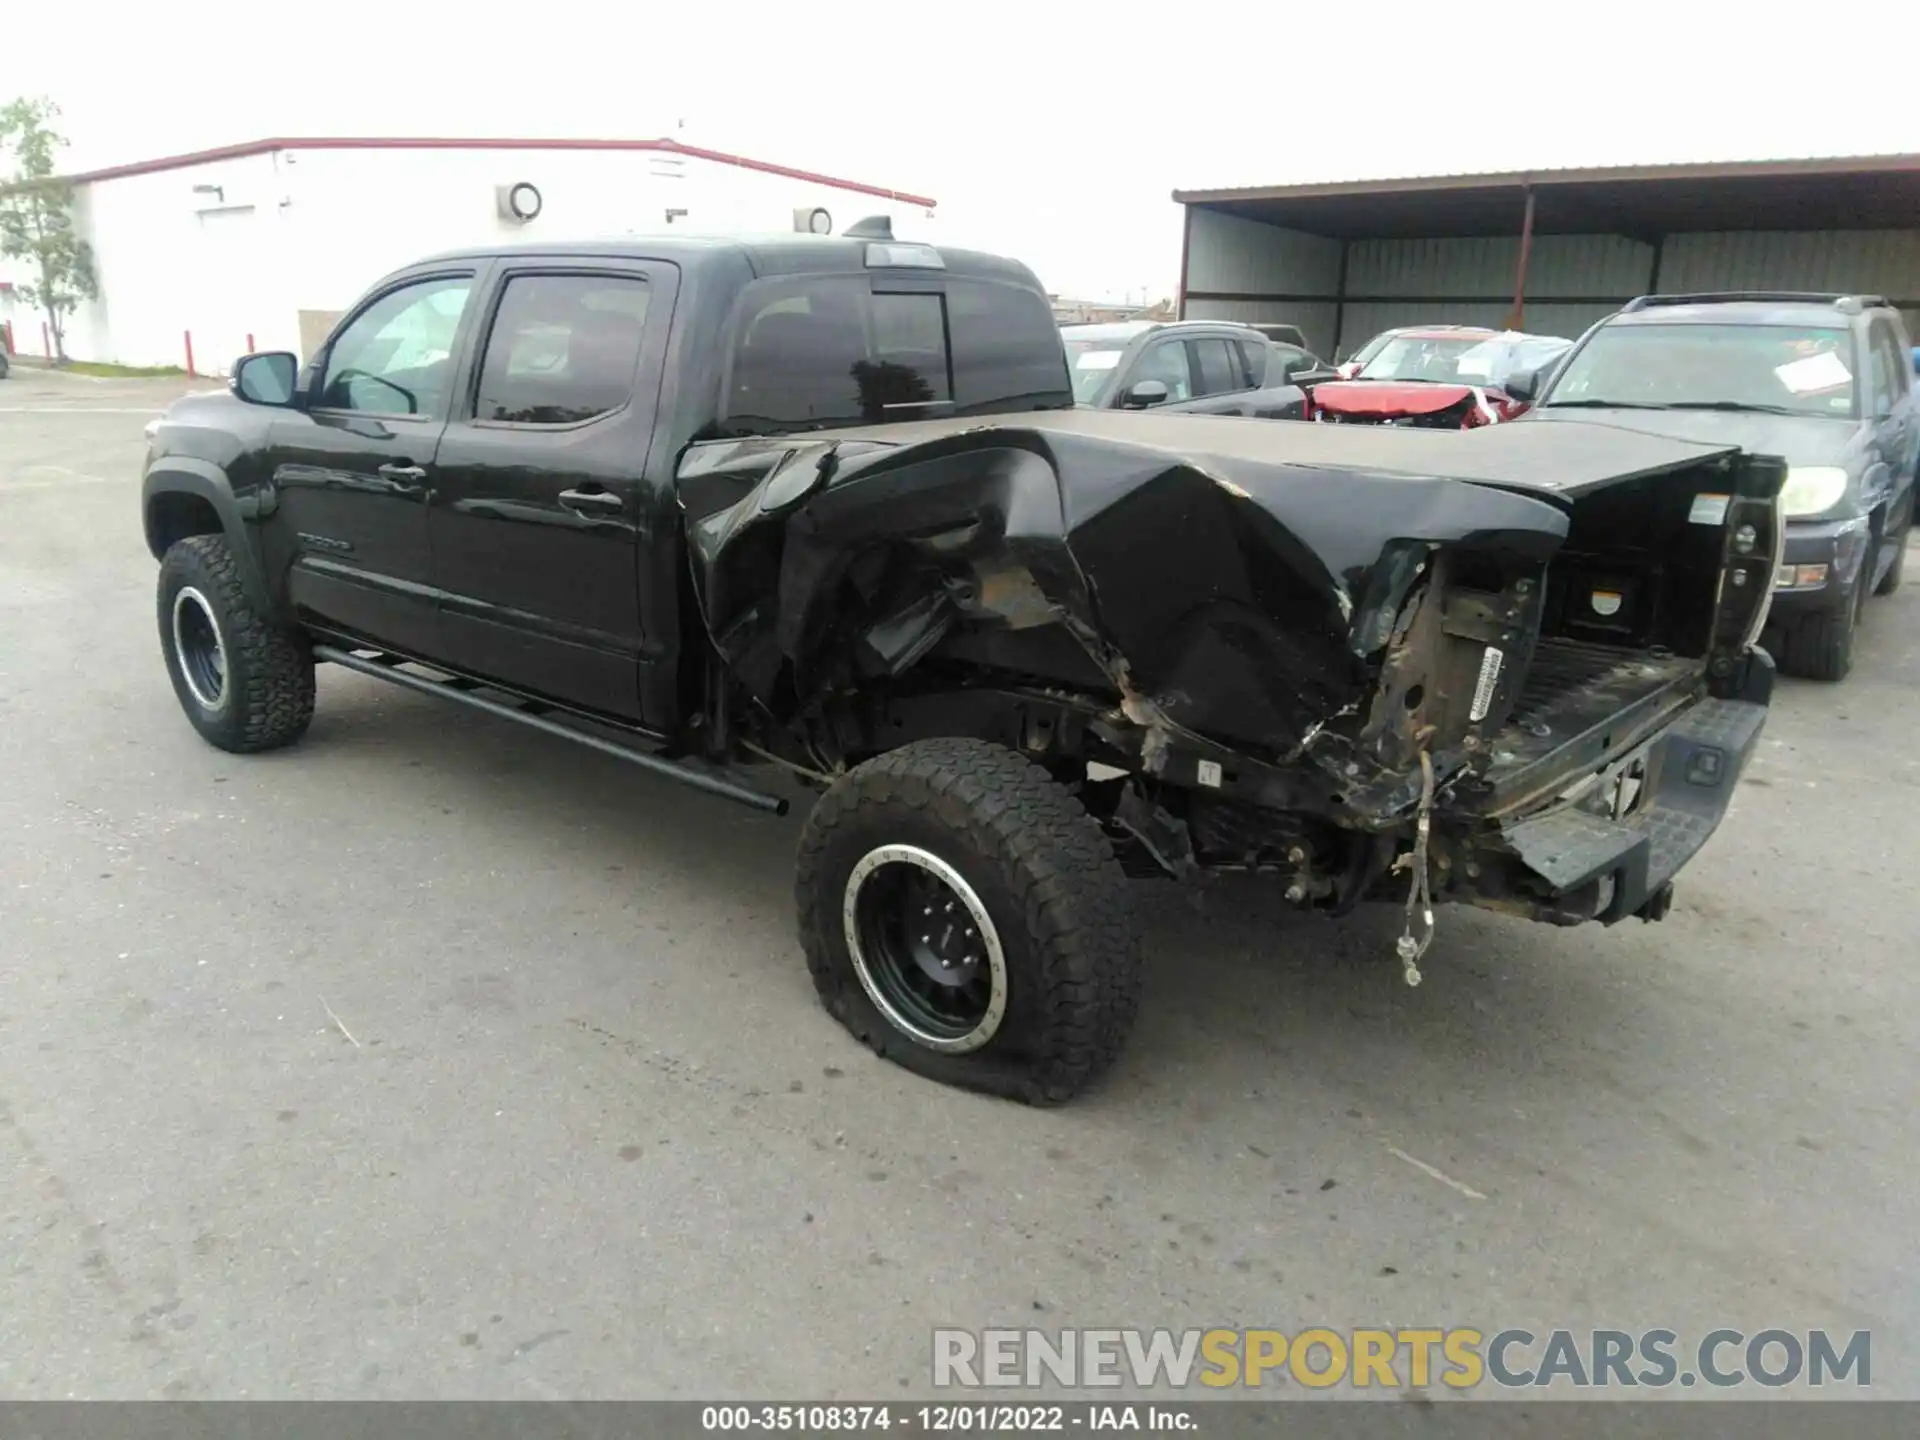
(1166, 361)
(1219, 366)
(563, 349)
(816, 351)
(396, 356)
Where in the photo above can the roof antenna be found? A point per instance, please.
(874, 227)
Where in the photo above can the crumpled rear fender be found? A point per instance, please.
(1243, 601)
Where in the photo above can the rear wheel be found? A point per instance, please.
(965, 917)
(245, 683)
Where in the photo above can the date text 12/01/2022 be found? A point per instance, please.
(963, 1419)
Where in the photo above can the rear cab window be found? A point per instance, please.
(813, 351)
(562, 349)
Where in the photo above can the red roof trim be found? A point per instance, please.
(670, 147)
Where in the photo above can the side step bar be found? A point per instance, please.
(461, 690)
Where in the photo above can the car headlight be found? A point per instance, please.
(1811, 489)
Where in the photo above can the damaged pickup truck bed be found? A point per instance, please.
(1026, 650)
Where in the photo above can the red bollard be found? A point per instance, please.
(8, 329)
(250, 342)
(189, 338)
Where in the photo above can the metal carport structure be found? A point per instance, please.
(1547, 250)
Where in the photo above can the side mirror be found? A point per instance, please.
(1346, 370)
(1144, 395)
(267, 378)
(1522, 385)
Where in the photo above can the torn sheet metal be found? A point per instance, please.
(1223, 594)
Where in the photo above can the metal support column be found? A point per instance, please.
(1517, 317)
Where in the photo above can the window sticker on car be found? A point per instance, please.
(1814, 373)
(1096, 360)
(1708, 510)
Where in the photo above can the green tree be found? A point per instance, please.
(36, 217)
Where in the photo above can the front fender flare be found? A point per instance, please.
(202, 479)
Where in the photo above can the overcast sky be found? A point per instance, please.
(1053, 132)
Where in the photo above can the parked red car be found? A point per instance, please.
(1444, 377)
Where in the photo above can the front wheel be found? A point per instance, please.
(965, 917)
(1820, 646)
(245, 683)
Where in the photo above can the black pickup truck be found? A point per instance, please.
(826, 506)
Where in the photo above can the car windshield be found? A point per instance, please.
(1448, 360)
(1092, 361)
(1795, 369)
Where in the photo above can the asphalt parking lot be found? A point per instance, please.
(435, 1058)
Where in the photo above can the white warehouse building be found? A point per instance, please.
(261, 246)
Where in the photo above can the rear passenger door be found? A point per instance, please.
(539, 501)
(1219, 367)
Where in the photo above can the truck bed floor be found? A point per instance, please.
(1573, 691)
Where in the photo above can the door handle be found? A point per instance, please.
(403, 472)
(590, 500)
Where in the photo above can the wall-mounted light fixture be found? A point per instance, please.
(519, 202)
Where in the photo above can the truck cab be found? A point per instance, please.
(479, 465)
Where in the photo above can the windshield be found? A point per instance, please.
(1799, 370)
(1453, 360)
(1372, 348)
(1092, 361)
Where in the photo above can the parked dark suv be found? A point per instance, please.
(1822, 381)
(1206, 367)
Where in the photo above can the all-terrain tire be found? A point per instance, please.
(1820, 647)
(264, 695)
(1048, 879)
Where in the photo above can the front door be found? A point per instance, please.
(351, 472)
(1896, 427)
(539, 510)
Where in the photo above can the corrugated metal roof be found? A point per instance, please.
(1560, 175)
(1861, 192)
